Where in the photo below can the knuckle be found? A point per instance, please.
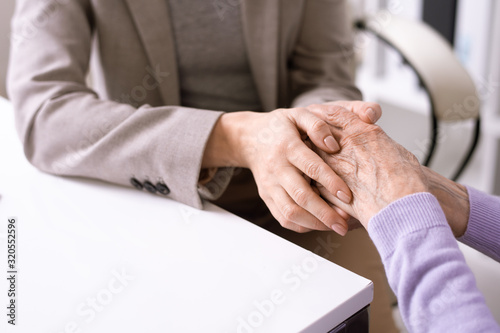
(312, 169)
(270, 162)
(333, 112)
(290, 212)
(287, 224)
(288, 112)
(279, 115)
(325, 215)
(317, 126)
(300, 196)
(349, 141)
(332, 181)
(287, 145)
(361, 136)
(264, 195)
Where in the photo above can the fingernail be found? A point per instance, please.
(343, 197)
(331, 143)
(340, 229)
(371, 115)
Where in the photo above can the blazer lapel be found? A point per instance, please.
(260, 26)
(152, 20)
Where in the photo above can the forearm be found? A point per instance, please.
(436, 290)
(68, 129)
(116, 143)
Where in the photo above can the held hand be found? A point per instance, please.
(271, 145)
(368, 112)
(377, 169)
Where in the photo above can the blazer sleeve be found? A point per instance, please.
(322, 64)
(66, 129)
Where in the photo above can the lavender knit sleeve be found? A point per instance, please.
(435, 288)
(483, 230)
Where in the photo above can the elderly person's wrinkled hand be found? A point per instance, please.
(378, 170)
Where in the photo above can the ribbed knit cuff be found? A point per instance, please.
(407, 215)
(483, 229)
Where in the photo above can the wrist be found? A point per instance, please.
(453, 198)
(225, 146)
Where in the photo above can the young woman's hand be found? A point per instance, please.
(272, 146)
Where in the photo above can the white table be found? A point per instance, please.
(94, 257)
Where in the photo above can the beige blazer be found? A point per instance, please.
(129, 125)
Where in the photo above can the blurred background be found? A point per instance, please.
(474, 34)
(383, 77)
